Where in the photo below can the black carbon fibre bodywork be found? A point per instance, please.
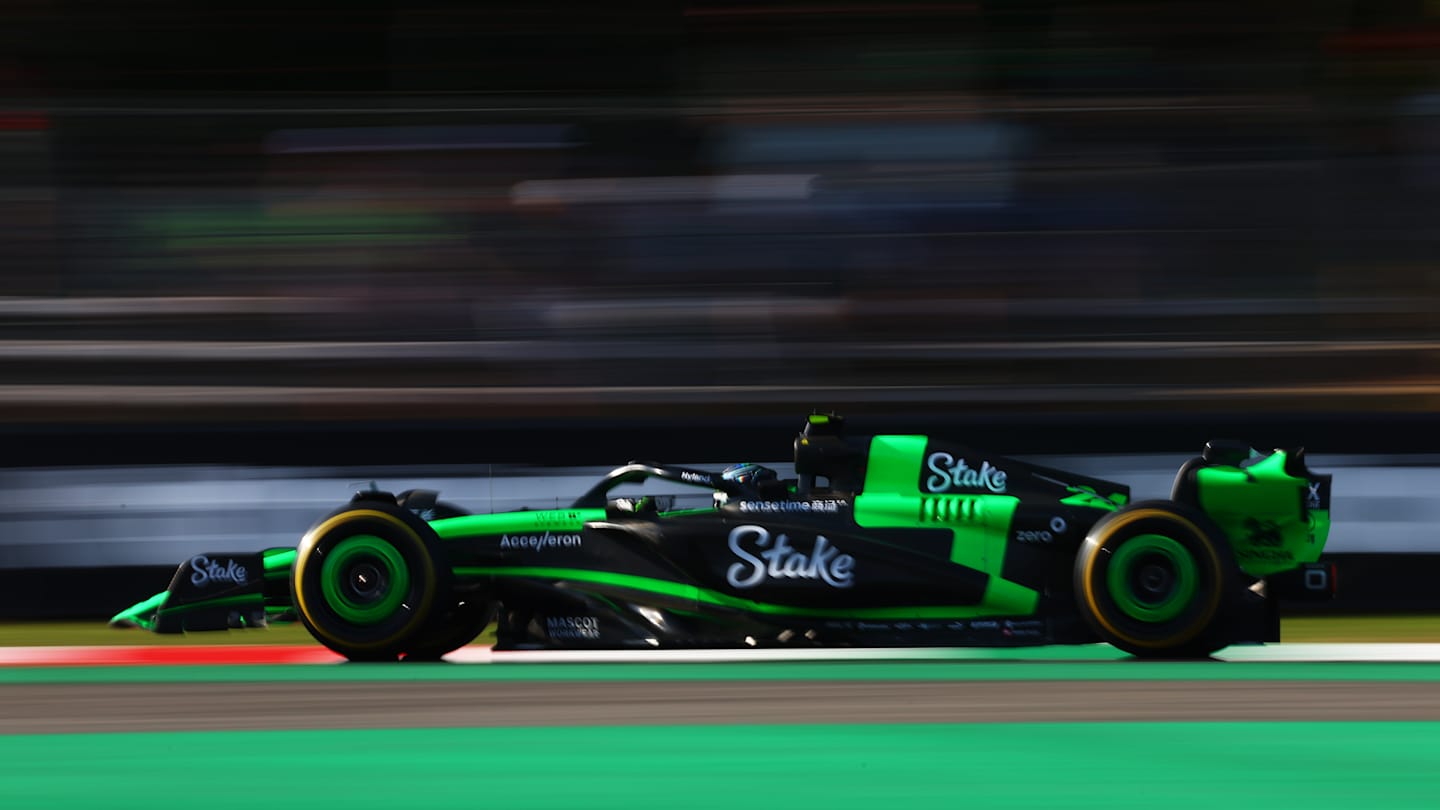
(878, 541)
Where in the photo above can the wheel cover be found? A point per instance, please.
(1152, 578)
(364, 579)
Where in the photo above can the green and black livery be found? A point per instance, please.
(887, 540)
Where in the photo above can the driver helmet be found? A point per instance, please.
(748, 474)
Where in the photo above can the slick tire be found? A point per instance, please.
(1157, 579)
(366, 581)
(450, 631)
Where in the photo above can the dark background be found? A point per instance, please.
(410, 213)
(565, 233)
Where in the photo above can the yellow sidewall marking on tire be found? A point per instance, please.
(307, 547)
(1121, 522)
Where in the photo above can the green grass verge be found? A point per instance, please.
(1349, 629)
(1311, 629)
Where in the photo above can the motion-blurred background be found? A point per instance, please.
(236, 210)
(439, 231)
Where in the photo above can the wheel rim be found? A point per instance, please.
(364, 579)
(1152, 578)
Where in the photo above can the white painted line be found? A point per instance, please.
(1420, 653)
(1417, 653)
(639, 656)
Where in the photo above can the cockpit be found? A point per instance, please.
(764, 481)
(826, 463)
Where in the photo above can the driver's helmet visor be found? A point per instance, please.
(747, 473)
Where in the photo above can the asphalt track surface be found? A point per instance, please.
(1089, 685)
(94, 708)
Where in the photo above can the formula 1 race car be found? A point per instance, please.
(888, 540)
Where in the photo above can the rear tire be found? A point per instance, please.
(1156, 579)
(366, 581)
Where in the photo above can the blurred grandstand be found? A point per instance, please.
(447, 210)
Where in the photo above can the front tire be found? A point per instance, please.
(366, 581)
(1155, 579)
(451, 630)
